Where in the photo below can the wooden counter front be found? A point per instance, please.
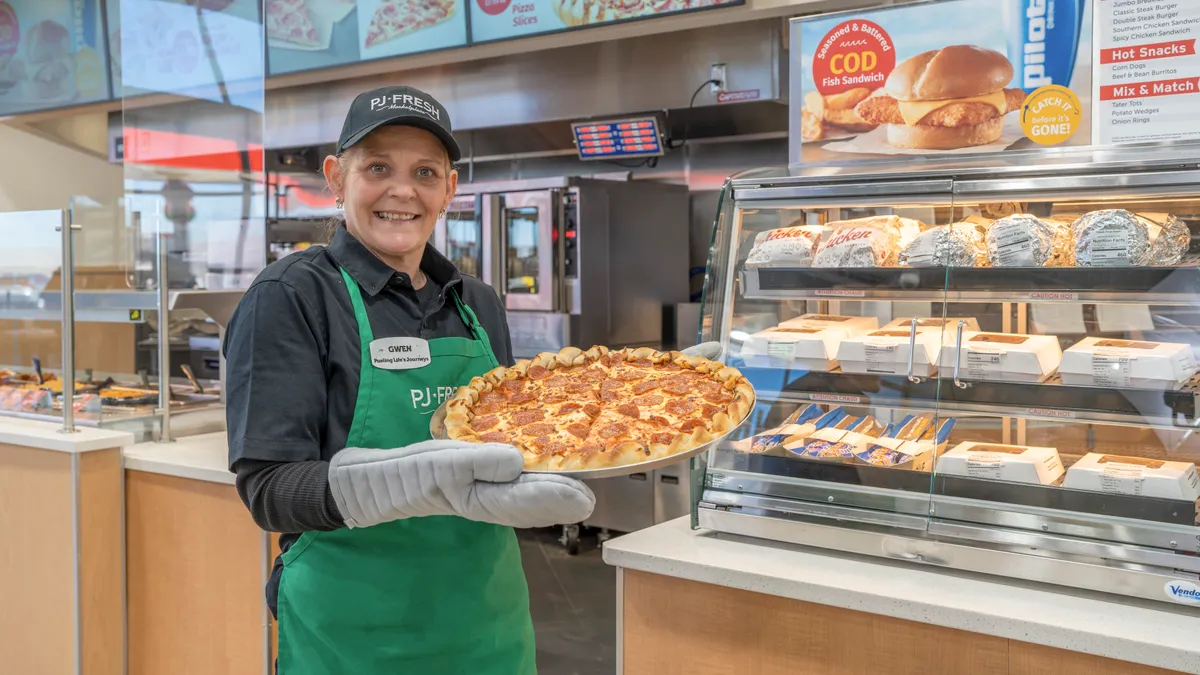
(674, 626)
(196, 564)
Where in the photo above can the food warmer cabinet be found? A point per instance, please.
(1015, 395)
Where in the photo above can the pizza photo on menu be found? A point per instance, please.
(579, 410)
(390, 27)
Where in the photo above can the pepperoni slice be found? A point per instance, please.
(664, 438)
(591, 409)
(540, 429)
(680, 407)
(489, 408)
(484, 423)
(641, 363)
(492, 397)
(494, 437)
(569, 408)
(645, 386)
(611, 431)
(630, 410)
(718, 397)
(629, 375)
(708, 387)
(577, 387)
(651, 399)
(660, 421)
(594, 374)
(513, 386)
(579, 430)
(710, 411)
(609, 396)
(611, 384)
(690, 425)
(523, 417)
(678, 387)
(591, 449)
(558, 381)
(523, 397)
(554, 397)
(538, 372)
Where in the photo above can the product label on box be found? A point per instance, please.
(1111, 249)
(984, 365)
(985, 465)
(1122, 479)
(880, 358)
(781, 350)
(1147, 79)
(1111, 370)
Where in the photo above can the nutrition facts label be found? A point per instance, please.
(1147, 74)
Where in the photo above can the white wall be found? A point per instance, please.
(36, 173)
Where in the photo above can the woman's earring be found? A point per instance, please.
(338, 202)
(442, 214)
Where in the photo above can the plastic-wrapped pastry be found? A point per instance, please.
(866, 242)
(785, 247)
(1023, 240)
(954, 245)
(1172, 243)
(1113, 238)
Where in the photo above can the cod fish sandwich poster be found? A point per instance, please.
(941, 78)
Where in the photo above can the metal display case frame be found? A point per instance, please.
(1128, 545)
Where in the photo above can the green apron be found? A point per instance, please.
(438, 595)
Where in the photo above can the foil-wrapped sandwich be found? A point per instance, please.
(955, 245)
(1113, 238)
(1023, 240)
(866, 242)
(1172, 243)
(791, 246)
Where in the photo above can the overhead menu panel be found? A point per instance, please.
(51, 54)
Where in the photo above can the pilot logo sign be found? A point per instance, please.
(400, 353)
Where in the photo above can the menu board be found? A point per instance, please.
(933, 79)
(51, 54)
(159, 46)
(310, 34)
(1147, 84)
(507, 19)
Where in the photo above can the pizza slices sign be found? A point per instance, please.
(395, 27)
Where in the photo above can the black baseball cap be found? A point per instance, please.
(397, 105)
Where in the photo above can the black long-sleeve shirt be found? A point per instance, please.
(293, 362)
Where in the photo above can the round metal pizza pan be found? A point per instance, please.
(437, 428)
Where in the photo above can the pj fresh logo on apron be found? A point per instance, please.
(400, 353)
(428, 399)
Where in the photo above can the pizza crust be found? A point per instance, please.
(626, 440)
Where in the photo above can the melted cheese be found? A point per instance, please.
(915, 111)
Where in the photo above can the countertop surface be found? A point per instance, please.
(49, 436)
(204, 457)
(1148, 633)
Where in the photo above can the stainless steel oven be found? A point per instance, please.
(467, 236)
(580, 261)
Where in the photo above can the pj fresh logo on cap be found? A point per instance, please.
(406, 102)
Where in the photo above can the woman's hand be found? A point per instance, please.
(482, 482)
(708, 350)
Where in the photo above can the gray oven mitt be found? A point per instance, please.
(708, 350)
(482, 482)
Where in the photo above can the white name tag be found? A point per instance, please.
(400, 353)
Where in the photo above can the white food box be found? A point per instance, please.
(1116, 474)
(1100, 362)
(993, 461)
(811, 348)
(934, 323)
(1003, 357)
(886, 351)
(847, 325)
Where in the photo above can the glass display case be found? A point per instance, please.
(988, 366)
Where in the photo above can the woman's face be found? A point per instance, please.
(394, 184)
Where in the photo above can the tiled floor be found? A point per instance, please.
(573, 602)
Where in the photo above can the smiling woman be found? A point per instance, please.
(399, 553)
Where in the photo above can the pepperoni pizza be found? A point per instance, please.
(578, 410)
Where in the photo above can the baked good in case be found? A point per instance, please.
(791, 246)
(1022, 240)
(1113, 238)
(1172, 242)
(578, 410)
